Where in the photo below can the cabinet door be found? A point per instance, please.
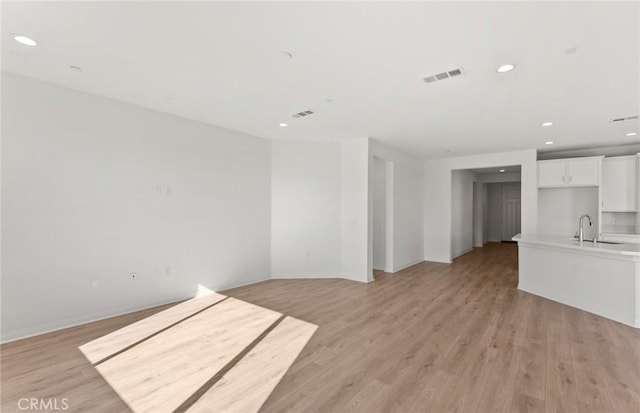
(619, 184)
(582, 172)
(551, 173)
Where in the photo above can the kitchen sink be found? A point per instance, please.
(599, 242)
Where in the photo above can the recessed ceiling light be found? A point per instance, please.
(506, 68)
(283, 125)
(501, 170)
(20, 38)
(547, 124)
(75, 68)
(549, 142)
(632, 133)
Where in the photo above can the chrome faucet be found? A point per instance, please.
(580, 230)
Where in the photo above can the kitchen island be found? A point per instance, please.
(601, 278)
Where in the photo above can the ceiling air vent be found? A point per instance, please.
(444, 75)
(302, 114)
(615, 120)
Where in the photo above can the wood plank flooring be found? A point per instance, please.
(432, 338)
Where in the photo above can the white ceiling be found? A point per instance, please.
(218, 63)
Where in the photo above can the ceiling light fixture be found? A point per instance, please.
(632, 133)
(25, 40)
(283, 125)
(549, 142)
(547, 124)
(501, 170)
(505, 68)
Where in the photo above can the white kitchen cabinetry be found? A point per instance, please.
(619, 176)
(551, 173)
(559, 173)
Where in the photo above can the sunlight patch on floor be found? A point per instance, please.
(210, 353)
(112, 343)
(246, 387)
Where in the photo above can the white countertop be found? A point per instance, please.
(571, 243)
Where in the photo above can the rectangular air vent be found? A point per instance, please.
(302, 114)
(445, 75)
(615, 120)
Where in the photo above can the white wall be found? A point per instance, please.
(379, 213)
(461, 212)
(95, 189)
(437, 196)
(560, 208)
(306, 209)
(296, 166)
(407, 183)
(357, 217)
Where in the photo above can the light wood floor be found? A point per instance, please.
(431, 338)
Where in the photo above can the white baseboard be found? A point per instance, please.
(90, 318)
(316, 277)
(221, 290)
(77, 321)
(411, 264)
(305, 277)
(462, 253)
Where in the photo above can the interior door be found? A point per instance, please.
(510, 212)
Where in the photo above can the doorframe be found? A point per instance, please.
(388, 218)
(389, 229)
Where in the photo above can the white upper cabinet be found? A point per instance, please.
(584, 172)
(619, 181)
(551, 173)
(569, 172)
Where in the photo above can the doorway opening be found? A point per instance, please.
(486, 207)
(499, 207)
